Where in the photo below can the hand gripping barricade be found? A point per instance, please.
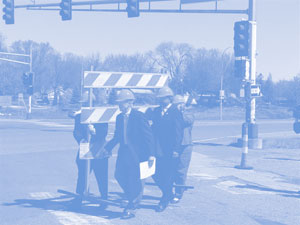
(108, 114)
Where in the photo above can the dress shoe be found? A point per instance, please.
(75, 204)
(175, 200)
(103, 203)
(127, 214)
(162, 206)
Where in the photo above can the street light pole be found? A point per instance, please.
(221, 94)
(30, 70)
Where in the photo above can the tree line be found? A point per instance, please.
(196, 71)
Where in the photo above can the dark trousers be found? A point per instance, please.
(182, 166)
(128, 176)
(100, 168)
(164, 176)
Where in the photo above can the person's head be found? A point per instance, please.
(125, 99)
(165, 96)
(179, 101)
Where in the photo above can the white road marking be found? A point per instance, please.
(259, 182)
(69, 218)
(43, 123)
(266, 134)
(203, 176)
(42, 195)
(237, 122)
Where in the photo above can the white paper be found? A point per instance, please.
(84, 151)
(145, 170)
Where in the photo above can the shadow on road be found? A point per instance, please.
(91, 204)
(264, 221)
(284, 159)
(295, 194)
(208, 144)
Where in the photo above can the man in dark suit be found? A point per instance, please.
(135, 137)
(95, 134)
(168, 133)
(185, 153)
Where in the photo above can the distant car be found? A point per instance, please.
(43, 100)
(296, 115)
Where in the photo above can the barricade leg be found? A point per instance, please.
(86, 178)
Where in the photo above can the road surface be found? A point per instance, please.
(37, 170)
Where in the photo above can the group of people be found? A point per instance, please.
(162, 134)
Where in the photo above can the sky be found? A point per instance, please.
(278, 31)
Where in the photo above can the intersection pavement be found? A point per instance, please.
(37, 160)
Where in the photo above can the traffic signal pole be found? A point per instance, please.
(28, 111)
(249, 128)
(254, 141)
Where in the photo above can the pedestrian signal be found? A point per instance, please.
(240, 68)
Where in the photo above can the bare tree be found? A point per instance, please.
(174, 59)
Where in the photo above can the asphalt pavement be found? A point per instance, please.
(38, 178)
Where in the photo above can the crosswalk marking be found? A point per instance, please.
(67, 217)
(71, 218)
(203, 176)
(42, 195)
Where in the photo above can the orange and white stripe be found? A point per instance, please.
(105, 114)
(101, 79)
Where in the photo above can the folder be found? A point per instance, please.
(146, 171)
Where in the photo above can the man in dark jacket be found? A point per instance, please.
(94, 134)
(185, 153)
(167, 126)
(135, 137)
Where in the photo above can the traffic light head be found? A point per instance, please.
(241, 38)
(27, 78)
(66, 9)
(133, 8)
(28, 82)
(9, 11)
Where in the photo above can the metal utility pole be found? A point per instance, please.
(249, 128)
(222, 93)
(254, 141)
(30, 70)
(28, 111)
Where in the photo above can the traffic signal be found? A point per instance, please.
(66, 9)
(9, 11)
(28, 82)
(241, 38)
(240, 68)
(133, 8)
